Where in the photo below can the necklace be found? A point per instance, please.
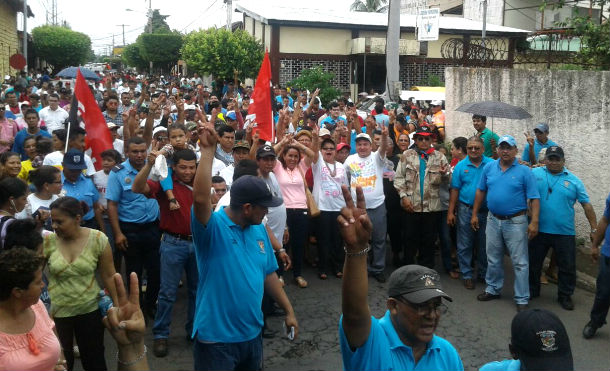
(332, 172)
(550, 187)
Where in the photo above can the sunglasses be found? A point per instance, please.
(421, 139)
(474, 148)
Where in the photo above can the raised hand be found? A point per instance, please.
(125, 320)
(207, 135)
(529, 138)
(354, 223)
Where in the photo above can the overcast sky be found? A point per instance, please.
(101, 19)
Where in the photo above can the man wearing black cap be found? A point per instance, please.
(538, 341)
(236, 263)
(559, 190)
(404, 338)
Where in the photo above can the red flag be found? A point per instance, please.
(262, 102)
(98, 136)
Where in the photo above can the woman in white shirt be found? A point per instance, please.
(329, 175)
(47, 181)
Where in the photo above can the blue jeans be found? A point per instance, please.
(176, 255)
(599, 312)
(247, 355)
(467, 239)
(378, 238)
(510, 234)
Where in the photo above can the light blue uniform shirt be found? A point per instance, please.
(82, 190)
(537, 147)
(508, 191)
(384, 350)
(132, 207)
(331, 124)
(466, 177)
(382, 120)
(506, 365)
(558, 194)
(233, 264)
(605, 251)
(352, 143)
(280, 100)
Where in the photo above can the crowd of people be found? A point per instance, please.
(188, 187)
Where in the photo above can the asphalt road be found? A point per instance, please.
(479, 331)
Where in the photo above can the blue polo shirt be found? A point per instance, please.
(233, 264)
(83, 190)
(606, 246)
(132, 207)
(466, 177)
(384, 350)
(382, 120)
(352, 142)
(506, 365)
(280, 100)
(330, 123)
(557, 205)
(508, 191)
(537, 147)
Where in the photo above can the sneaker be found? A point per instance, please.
(566, 302)
(589, 331)
(160, 347)
(485, 296)
(522, 307)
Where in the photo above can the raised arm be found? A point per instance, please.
(356, 229)
(139, 183)
(384, 142)
(202, 203)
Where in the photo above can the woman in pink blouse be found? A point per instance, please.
(294, 161)
(27, 340)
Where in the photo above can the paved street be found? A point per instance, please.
(479, 331)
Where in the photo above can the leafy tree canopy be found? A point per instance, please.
(131, 57)
(316, 78)
(60, 46)
(371, 6)
(223, 53)
(160, 48)
(159, 25)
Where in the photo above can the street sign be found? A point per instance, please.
(412, 6)
(17, 61)
(427, 24)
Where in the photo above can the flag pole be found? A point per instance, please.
(73, 115)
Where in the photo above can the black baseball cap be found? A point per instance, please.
(424, 130)
(417, 284)
(541, 341)
(74, 160)
(554, 151)
(265, 151)
(250, 189)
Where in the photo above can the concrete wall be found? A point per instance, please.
(9, 42)
(315, 40)
(575, 104)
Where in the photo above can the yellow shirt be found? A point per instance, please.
(24, 174)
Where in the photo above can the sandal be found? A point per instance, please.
(300, 282)
(322, 276)
(339, 274)
(453, 274)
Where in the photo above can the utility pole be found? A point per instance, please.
(123, 25)
(54, 12)
(392, 52)
(229, 13)
(25, 34)
(484, 29)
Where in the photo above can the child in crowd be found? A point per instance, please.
(29, 146)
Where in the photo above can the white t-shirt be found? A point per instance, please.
(217, 167)
(327, 188)
(100, 179)
(118, 145)
(227, 174)
(225, 200)
(53, 119)
(276, 216)
(367, 172)
(34, 203)
(57, 157)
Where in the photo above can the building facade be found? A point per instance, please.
(9, 39)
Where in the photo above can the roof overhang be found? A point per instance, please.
(17, 6)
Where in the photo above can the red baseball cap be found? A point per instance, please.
(343, 145)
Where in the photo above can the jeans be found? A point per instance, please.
(445, 239)
(565, 250)
(297, 221)
(89, 333)
(176, 255)
(330, 247)
(421, 231)
(247, 355)
(510, 234)
(467, 239)
(599, 312)
(396, 229)
(378, 219)
(143, 253)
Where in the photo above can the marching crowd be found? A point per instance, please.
(190, 187)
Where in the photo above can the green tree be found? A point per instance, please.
(163, 49)
(316, 78)
(371, 6)
(60, 46)
(159, 25)
(222, 53)
(131, 57)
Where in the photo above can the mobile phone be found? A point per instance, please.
(289, 334)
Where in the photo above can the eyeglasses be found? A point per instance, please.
(162, 138)
(421, 139)
(426, 308)
(474, 148)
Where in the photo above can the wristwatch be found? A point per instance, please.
(594, 230)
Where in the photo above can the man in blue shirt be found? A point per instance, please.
(464, 182)
(404, 338)
(559, 190)
(135, 221)
(538, 341)
(32, 120)
(602, 291)
(331, 121)
(507, 187)
(236, 264)
(533, 146)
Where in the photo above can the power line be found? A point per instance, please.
(199, 15)
(118, 34)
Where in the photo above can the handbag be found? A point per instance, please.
(312, 206)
